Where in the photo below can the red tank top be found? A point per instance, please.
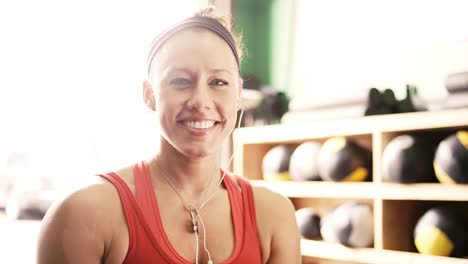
(148, 242)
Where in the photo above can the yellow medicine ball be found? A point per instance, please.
(441, 232)
(451, 159)
(275, 163)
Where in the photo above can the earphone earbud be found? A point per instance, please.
(239, 104)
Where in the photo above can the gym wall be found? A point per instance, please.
(317, 49)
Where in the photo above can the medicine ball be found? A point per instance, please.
(341, 159)
(350, 224)
(303, 162)
(408, 159)
(308, 221)
(441, 232)
(275, 164)
(451, 159)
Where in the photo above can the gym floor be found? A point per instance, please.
(18, 240)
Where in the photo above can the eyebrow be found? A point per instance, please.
(184, 70)
(188, 71)
(220, 70)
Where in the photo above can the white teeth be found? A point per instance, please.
(199, 124)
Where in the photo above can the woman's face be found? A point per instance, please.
(196, 85)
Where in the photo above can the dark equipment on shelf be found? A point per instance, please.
(412, 102)
(441, 232)
(408, 159)
(380, 103)
(366, 102)
(451, 159)
(303, 163)
(308, 221)
(350, 224)
(275, 163)
(341, 159)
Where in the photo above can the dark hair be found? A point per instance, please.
(204, 19)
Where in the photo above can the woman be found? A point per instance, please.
(178, 207)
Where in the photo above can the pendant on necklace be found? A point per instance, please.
(194, 216)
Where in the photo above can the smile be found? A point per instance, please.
(205, 124)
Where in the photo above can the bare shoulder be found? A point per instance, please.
(272, 204)
(267, 202)
(277, 226)
(79, 228)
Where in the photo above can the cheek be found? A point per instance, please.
(229, 107)
(167, 109)
(230, 115)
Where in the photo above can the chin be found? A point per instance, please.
(197, 153)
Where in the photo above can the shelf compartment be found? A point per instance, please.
(315, 251)
(399, 218)
(248, 157)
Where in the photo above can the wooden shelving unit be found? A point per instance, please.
(396, 207)
(315, 251)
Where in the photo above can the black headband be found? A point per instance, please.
(194, 22)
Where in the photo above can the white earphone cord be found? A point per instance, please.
(197, 214)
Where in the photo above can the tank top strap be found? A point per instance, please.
(128, 203)
(145, 196)
(250, 243)
(237, 209)
(142, 180)
(248, 198)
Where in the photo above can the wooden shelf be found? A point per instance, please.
(313, 250)
(368, 190)
(396, 207)
(356, 190)
(423, 191)
(353, 126)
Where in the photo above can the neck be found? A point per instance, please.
(189, 175)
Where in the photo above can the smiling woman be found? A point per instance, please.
(178, 206)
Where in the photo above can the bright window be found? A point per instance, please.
(345, 46)
(71, 75)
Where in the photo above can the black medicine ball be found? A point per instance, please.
(275, 163)
(308, 221)
(340, 159)
(441, 232)
(303, 163)
(451, 159)
(350, 224)
(407, 159)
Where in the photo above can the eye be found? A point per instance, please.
(181, 82)
(219, 82)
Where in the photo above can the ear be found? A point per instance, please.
(148, 95)
(241, 85)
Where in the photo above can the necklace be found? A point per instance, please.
(195, 211)
(188, 207)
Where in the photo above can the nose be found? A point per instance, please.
(200, 98)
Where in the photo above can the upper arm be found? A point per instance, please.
(278, 226)
(285, 244)
(73, 231)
